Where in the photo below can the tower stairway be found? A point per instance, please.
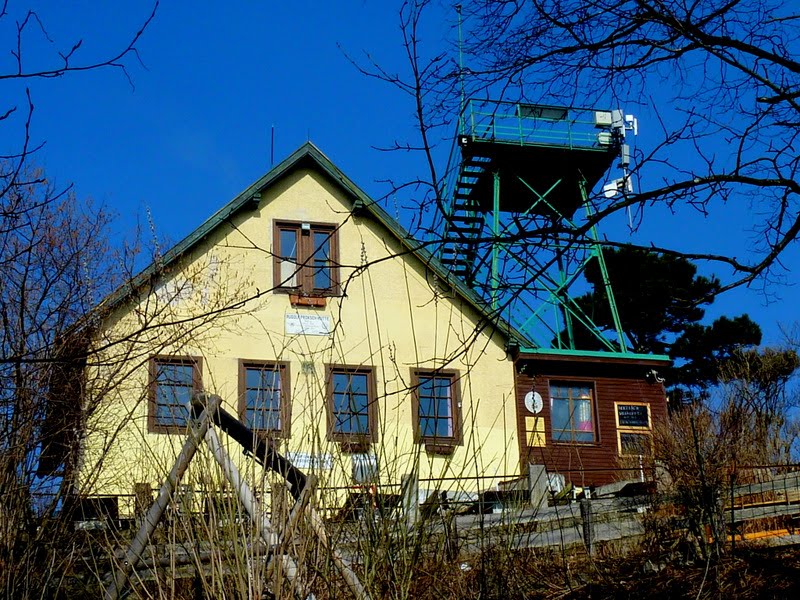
(465, 222)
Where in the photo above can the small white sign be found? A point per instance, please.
(297, 324)
(303, 460)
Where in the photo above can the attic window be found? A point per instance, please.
(306, 258)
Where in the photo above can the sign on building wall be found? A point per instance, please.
(633, 415)
(304, 460)
(534, 427)
(297, 324)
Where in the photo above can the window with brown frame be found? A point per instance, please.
(306, 258)
(173, 380)
(352, 408)
(264, 404)
(437, 410)
(572, 417)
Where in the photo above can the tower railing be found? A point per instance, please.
(526, 124)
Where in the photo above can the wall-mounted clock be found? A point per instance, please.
(533, 402)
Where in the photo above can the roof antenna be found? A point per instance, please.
(272, 147)
(460, 69)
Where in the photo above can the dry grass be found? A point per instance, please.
(428, 571)
(751, 573)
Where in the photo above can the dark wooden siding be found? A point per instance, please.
(61, 427)
(591, 463)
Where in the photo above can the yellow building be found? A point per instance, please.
(324, 326)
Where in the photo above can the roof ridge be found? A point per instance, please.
(361, 200)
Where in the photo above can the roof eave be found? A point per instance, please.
(593, 355)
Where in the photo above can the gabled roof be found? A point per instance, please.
(308, 155)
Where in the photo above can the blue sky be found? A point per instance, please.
(194, 129)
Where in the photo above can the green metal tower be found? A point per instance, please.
(517, 226)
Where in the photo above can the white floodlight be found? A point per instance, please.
(628, 183)
(616, 186)
(610, 189)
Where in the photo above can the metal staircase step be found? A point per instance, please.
(462, 209)
(455, 264)
(466, 222)
(466, 218)
(472, 231)
(471, 163)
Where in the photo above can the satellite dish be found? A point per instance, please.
(533, 402)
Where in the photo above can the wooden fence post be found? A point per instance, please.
(537, 486)
(733, 510)
(409, 485)
(588, 525)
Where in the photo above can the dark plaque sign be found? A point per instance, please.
(633, 415)
(632, 444)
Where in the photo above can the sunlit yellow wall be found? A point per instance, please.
(394, 316)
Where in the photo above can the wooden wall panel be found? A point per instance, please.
(591, 463)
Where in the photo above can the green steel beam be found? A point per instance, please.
(612, 303)
(563, 296)
(553, 295)
(597, 354)
(569, 304)
(557, 320)
(496, 234)
(565, 281)
(542, 198)
(557, 293)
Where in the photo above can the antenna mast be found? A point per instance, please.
(460, 69)
(272, 148)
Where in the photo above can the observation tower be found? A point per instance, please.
(518, 225)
